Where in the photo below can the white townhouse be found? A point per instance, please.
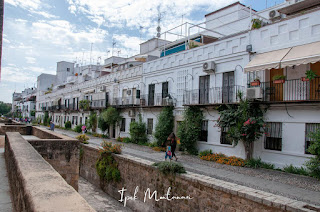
(24, 103)
(235, 46)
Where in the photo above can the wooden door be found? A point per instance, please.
(276, 90)
(204, 84)
(315, 83)
(228, 87)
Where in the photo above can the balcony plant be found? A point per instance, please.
(256, 23)
(279, 79)
(84, 104)
(310, 75)
(256, 82)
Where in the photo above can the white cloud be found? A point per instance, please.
(30, 60)
(33, 6)
(140, 12)
(15, 74)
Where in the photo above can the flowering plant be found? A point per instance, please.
(244, 123)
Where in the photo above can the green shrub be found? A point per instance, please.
(313, 164)
(257, 163)
(170, 167)
(126, 140)
(138, 132)
(84, 104)
(108, 147)
(164, 125)
(295, 170)
(190, 128)
(107, 167)
(92, 122)
(83, 139)
(78, 129)
(205, 152)
(153, 144)
(67, 125)
(46, 120)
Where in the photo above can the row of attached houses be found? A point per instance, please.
(24, 103)
(227, 57)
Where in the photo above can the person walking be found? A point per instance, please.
(173, 143)
(168, 151)
(84, 129)
(51, 126)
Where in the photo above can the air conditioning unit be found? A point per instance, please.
(132, 113)
(102, 88)
(129, 92)
(209, 67)
(254, 93)
(274, 14)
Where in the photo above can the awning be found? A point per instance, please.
(304, 54)
(266, 60)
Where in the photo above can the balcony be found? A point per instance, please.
(44, 108)
(295, 90)
(99, 104)
(155, 100)
(216, 95)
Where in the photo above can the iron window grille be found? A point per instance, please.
(123, 125)
(150, 126)
(310, 128)
(224, 136)
(273, 138)
(204, 131)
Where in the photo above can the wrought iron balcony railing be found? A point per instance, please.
(291, 90)
(145, 100)
(216, 95)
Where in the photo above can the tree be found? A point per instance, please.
(84, 104)
(46, 119)
(190, 129)
(244, 123)
(4, 107)
(138, 131)
(92, 121)
(165, 125)
(108, 117)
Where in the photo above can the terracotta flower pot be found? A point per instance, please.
(304, 79)
(279, 81)
(255, 83)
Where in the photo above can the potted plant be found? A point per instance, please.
(256, 82)
(310, 75)
(279, 79)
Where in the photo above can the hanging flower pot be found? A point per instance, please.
(304, 79)
(279, 81)
(255, 83)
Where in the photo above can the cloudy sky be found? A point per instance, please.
(38, 33)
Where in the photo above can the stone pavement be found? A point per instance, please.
(99, 200)
(297, 187)
(5, 200)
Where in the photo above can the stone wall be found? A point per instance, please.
(35, 185)
(44, 133)
(208, 194)
(60, 151)
(22, 129)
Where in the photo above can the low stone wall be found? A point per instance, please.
(46, 134)
(35, 185)
(208, 194)
(22, 129)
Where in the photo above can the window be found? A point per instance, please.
(64, 120)
(310, 127)
(72, 120)
(204, 131)
(76, 117)
(133, 120)
(224, 136)
(68, 69)
(273, 138)
(123, 125)
(80, 120)
(150, 126)
(165, 89)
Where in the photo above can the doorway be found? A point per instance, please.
(228, 87)
(204, 85)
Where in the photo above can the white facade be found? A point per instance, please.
(181, 77)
